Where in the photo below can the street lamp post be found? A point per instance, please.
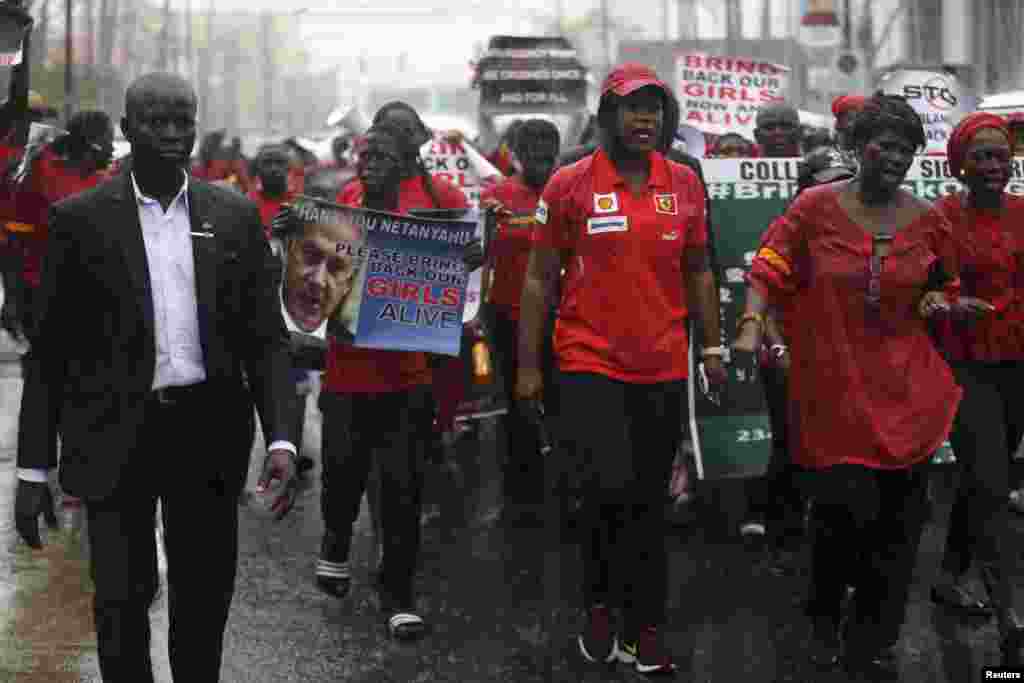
(69, 71)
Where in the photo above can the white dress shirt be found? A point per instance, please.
(172, 276)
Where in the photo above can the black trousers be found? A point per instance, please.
(777, 497)
(866, 526)
(988, 429)
(395, 428)
(523, 469)
(37, 418)
(201, 539)
(623, 438)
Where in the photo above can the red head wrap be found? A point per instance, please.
(956, 148)
(844, 104)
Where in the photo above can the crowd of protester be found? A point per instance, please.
(880, 325)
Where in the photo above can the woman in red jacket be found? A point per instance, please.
(630, 227)
(379, 403)
(870, 398)
(986, 352)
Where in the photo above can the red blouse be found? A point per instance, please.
(510, 251)
(354, 370)
(623, 305)
(867, 386)
(991, 254)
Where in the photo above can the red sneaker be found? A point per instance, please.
(596, 642)
(646, 653)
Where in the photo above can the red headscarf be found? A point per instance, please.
(630, 77)
(965, 131)
(844, 104)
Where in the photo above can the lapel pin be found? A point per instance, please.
(205, 231)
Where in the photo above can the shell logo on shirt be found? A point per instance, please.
(606, 203)
(666, 203)
(541, 215)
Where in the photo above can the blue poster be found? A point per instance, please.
(377, 280)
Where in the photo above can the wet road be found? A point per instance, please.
(499, 601)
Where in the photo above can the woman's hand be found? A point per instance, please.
(494, 204)
(285, 222)
(970, 307)
(473, 255)
(932, 303)
(529, 385)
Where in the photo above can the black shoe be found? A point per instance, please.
(957, 597)
(877, 666)
(1011, 636)
(825, 643)
(303, 464)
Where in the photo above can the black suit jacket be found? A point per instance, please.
(95, 335)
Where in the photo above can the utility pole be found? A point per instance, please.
(268, 70)
(69, 71)
(189, 45)
(606, 36)
(165, 37)
(665, 17)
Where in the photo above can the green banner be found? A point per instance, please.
(731, 432)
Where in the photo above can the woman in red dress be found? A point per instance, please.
(986, 351)
(864, 261)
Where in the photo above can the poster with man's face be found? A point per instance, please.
(374, 279)
(322, 268)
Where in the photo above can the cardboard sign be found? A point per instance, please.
(723, 94)
(939, 98)
(523, 74)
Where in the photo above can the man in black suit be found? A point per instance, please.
(159, 329)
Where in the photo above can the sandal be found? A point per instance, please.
(406, 626)
(333, 578)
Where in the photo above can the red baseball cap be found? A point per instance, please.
(630, 77)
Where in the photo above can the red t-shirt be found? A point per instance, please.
(991, 253)
(867, 385)
(623, 305)
(50, 181)
(510, 250)
(269, 206)
(353, 370)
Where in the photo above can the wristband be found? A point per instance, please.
(747, 317)
(717, 351)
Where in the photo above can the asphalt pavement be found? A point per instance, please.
(501, 601)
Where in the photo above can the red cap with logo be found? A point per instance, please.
(629, 77)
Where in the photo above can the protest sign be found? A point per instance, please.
(14, 27)
(529, 73)
(460, 164)
(732, 438)
(723, 94)
(393, 282)
(940, 99)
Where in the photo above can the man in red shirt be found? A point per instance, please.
(378, 404)
(630, 227)
(71, 164)
(536, 146)
(272, 164)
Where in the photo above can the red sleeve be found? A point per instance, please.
(697, 224)
(781, 263)
(943, 244)
(349, 193)
(450, 196)
(551, 225)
